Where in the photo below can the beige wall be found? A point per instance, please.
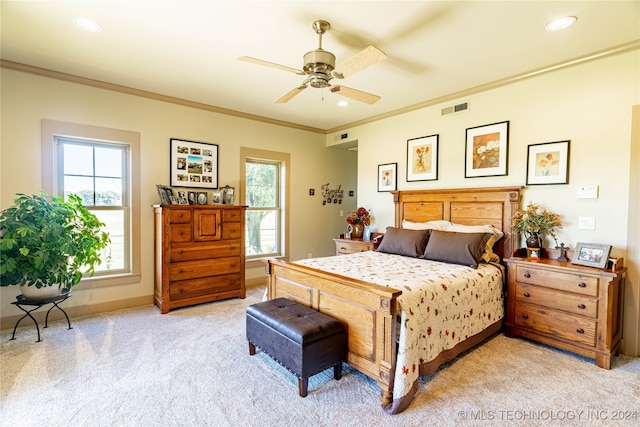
(27, 98)
(589, 104)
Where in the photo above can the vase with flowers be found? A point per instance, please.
(535, 224)
(357, 220)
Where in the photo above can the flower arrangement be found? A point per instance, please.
(421, 151)
(361, 216)
(530, 221)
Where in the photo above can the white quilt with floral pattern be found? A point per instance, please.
(441, 305)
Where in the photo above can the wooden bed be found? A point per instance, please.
(369, 310)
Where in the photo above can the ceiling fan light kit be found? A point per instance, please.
(319, 67)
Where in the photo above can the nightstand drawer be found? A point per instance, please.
(350, 246)
(552, 298)
(575, 328)
(557, 280)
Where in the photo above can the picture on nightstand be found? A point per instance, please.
(591, 255)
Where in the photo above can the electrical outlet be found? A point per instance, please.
(309, 255)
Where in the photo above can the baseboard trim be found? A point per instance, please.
(9, 322)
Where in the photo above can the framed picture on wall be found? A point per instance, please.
(548, 163)
(387, 177)
(422, 158)
(487, 150)
(193, 164)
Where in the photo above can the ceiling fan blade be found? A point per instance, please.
(287, 96)
(366, 58)
(358, 95)
(271, 64)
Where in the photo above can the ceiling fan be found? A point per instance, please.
(319, 67)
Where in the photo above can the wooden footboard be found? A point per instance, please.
(367, 310)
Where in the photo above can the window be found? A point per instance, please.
(100, 165)
(96, 171)
(265, 196)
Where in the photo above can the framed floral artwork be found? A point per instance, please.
(548, 163)
(487, 150)
(422, 158)
(387, 177)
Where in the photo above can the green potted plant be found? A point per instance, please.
(48, 242)
(535, 224)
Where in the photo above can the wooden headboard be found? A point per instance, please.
(469, 206)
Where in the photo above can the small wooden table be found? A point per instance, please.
(36, 304)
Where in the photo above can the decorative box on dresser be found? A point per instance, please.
(199, 254)
(568, 306)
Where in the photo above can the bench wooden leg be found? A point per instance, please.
(337, 371)
(303, 383)
(252, 348)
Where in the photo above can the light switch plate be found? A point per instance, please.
(587, 192)
(587, 223)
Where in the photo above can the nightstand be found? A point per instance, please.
(567, 306)
(349, 246)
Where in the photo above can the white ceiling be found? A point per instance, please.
(189, 49)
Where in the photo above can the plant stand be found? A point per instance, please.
(22, 301)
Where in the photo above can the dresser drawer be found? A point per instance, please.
(557, 323)
(180, 233)
(205, 286)
(179, 216)
(573, 303)
(231, 230)
(557, 280)
(203, 268)
(190, 252)
(231, 215)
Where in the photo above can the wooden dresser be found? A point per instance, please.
(199, 254)
(564, 305)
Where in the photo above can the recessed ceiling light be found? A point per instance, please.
(561, 23)
(343, 103)
(87, 25)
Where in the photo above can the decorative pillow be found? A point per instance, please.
(456, 248)
(404, 242)
(429, 225)
(496, 234)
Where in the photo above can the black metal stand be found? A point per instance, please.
(22, 301)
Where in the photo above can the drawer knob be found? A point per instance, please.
(527, 294)
(581, 306)
(180, 290)
(525, 316)
(582, 285)
(527, 275)
(580, 331)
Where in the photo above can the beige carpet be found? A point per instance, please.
(191, 367)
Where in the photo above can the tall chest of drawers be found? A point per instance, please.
(567, 306)
(199, 254)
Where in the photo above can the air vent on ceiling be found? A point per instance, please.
(458, 108)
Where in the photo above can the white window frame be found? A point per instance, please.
(51, 130)
(283, 159)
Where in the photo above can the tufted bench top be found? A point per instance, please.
(297, 322)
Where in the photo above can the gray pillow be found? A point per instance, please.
(400, 241)
(456, 248)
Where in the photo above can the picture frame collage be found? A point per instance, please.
(194, 165)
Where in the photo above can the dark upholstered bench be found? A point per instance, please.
(300, 338)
